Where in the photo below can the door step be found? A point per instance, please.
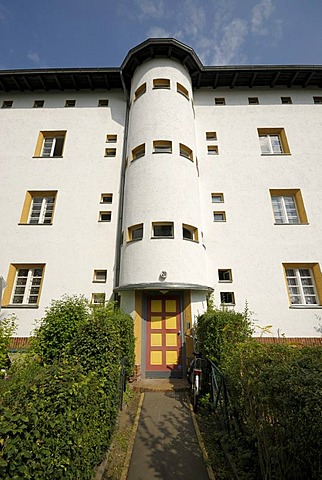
(160, 385)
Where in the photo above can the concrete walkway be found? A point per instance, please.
(166, 445)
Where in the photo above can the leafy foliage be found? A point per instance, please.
(7, 329)
(57, 415)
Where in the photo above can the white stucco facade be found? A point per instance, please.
(172, 188)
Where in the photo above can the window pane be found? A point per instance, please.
(305, 272)
(276, 144)
(137, 233)
(58, 150)
(163, 230)
(48, 143)
(188, 234)
(264, 144)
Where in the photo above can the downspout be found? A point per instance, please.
(121, 195)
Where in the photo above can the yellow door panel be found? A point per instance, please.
(156, 358)
(156, 306)
(170, 306)
(171, 358)
(156, 339)
(156, 323)
(171, 339)
(171, 323)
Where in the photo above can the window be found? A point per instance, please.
(106, 198)
(286, 100)
(110, 152)
(288, 206)
(220, 101)
(39, 103)
(111, 138)
(181, 89)
(161, 83)
(24, 284)
(317, 100)
(50, 144)
(162, 230)
(100, 276)
(162, 146)
(185, 152)
(140, 91)
(70, 103)
(138, 151)
(211, 136)
(212, 150)
(224, 275)
(135, 232)
(105, 216)
(103, 102)
(253, 101)
(273, 141)
(227, 298)
(7, 103)
(219, 216)
(303, 283)
(217, 197)
(38, 208)
(98, 298)
(189, 232)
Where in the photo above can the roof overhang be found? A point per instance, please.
(163, 286)
(248, 76)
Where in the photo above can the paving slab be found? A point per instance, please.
(166, 446)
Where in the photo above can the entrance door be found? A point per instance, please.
(163, 336)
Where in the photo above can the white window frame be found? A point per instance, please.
(267, 146)
(30, 283)
(282, 209)
(44, 208)
(51, 147)
(298, 279)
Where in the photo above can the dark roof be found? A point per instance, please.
(202, 76)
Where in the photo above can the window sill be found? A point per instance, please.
(19, 305)
(228, 304)
(225, 281)
(133, 240)
(104, 221)
(99, 281)
(36, 224)
(190, 240)
(275, 154)
(157, 238)
(185, 156)
(157, 153)
(58, 156)
(161, 88)
(300, 307)
(299, 223)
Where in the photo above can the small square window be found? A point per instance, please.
(212, 150)
(211, 136)
(189, 232)
(110, 152)
(161, 83)
(317, 100)
(111, 138)
(217, 198)
(98, 298)
(162, 230)
(135, 232)
(105, 216)
(100, 276)
(138, 151)
(224, 275)
(103, 102)
(140, 91)
(286, 100)
(186, 152)
(220, 101)
(227, 298)
(219, 216)
(253, 101)
(106, 198)
(7, 103)
(162, 146)
(70, 103)
(39, 103)
(181, 89)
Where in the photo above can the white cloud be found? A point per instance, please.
(229, 49)
(150, 8)
(261, 13)
(34, 57)
(4, 12)
(158, 32)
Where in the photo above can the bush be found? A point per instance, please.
(56, 422)
(7, 329)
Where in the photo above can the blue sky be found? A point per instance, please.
(99, 33)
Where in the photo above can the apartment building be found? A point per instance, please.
(162, 182)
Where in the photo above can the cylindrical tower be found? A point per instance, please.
(162, 218)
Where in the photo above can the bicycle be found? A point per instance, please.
(195, 375)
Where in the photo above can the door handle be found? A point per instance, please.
(179, 333)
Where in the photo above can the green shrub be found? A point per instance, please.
(7, 329)
(56, 422)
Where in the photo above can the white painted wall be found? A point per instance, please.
(76, 243)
